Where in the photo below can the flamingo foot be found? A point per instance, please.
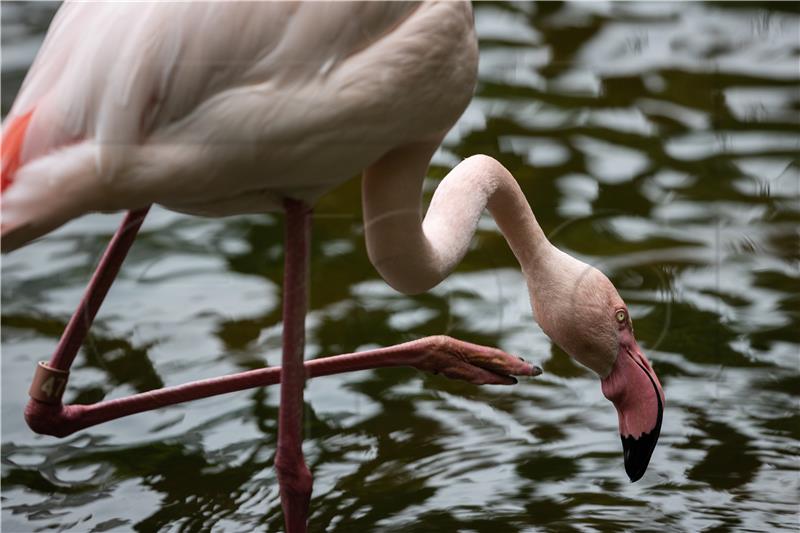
(469, 362)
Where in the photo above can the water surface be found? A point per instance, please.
(658, 142)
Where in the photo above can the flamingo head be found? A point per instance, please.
(634, 389)
(582, 312)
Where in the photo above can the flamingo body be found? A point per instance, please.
(220, 108)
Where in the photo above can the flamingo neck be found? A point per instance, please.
(414, 255)
(479, 183)
(514, 217)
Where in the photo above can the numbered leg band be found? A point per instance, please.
(48, 384)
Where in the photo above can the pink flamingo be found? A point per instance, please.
(222, 108)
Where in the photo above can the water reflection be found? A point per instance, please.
(658, 141)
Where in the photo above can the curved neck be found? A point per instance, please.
(513, 215)
(414, 255)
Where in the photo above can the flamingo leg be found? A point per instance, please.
(104, 275)
(449, 357)
(51, 378)
(294, 476)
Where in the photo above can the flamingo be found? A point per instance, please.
(217, 109)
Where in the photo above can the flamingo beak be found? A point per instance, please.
(637, 452)
(636, 392)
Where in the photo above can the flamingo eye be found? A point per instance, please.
(621, 316)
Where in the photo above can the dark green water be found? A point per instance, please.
(657, 141)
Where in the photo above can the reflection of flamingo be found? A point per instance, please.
(217, 109)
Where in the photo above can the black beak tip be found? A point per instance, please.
(637, 453)
(634, 469)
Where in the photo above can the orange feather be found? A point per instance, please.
(12, 149)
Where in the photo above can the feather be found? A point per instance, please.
(13, 140)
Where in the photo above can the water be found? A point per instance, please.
(656, 141)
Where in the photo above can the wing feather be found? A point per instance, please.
(115, 72)
(13, 138)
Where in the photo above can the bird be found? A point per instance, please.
(223, 108)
